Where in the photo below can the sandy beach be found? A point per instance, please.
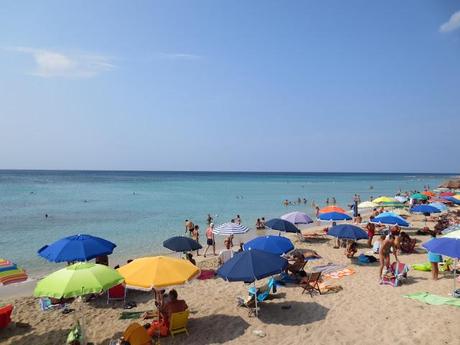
(363, 312)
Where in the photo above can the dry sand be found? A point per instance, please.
(364, 312)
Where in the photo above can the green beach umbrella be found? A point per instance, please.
(419, 196)
(391, 204)
(77, 280)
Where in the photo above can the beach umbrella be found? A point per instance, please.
(453, 234)
(451, 228)
(440, 199)
(367, 204)
(400, 198)
(297, 218)
(428, 193)
(329, 209)
(281, 225)
(452, 199)
(10, 273)
(425, 209)
(76, 248)
(392, 204)
(381, 199)
(347, 231)
(181, 244)
(446, 194)
(456, 196)
(77, 280)
(449, 246)
(272, 244)
(249, 266)
(230, 229)
(157, 272)
(388, 218)
(439, 205)
(419, 196)
(334, 216)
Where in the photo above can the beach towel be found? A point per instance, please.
(339, 274)
(443, 266)
(329, 268)
(206, 274)
(127, 315)
(429, 298)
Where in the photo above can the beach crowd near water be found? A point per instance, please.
(334, 279)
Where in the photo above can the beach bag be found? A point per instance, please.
(366, 259)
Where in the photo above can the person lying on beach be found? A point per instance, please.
(351, 249)
(296, 268)
(384, 253)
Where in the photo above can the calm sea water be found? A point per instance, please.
(139, 210)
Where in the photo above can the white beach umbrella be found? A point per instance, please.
(230, 229)
(367, 204)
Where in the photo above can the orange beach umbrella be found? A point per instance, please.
(332, 209)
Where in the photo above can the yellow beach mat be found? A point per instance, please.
(339, 274)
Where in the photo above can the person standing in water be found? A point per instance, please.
(196, 237)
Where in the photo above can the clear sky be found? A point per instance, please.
(230, 85)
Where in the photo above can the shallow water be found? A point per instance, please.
(139, 210)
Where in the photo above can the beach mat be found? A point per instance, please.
(329, 268)
(339, 274)
(128, 315)
(429, 298)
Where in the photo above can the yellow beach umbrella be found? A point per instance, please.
(367, 204)
(457, 196)
(157, 272)
(384, 199)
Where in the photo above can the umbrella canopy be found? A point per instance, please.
(392, 204)
(136, 334)
(425, 209)
(332, 209)
(367, 204)
(271, 244)
(281, 225)
(230, 229)
(439, 205)
(444, 246)
(441, 200)
(297, 218)
(10, 273)
(452, 199)
(347, 231)
(251, 265)
(76, 248)
(77, 280)
(419, 196)
(389, 218)
(428, 193)
(453, 234)
(456, 196)
(181, 244)
(157, 272)
(451, 228)
(446, 194)
(332, 216)
(400, 198)
(381, 199)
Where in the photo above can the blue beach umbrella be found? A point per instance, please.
(452, 199)
(334, 216)
(347, 231)
(76, 248)
(272, 244)
(281, 225)
(297, 218)
(181, 244)
(389, 218)
(439, 205)
(249, 266)
(425, 209)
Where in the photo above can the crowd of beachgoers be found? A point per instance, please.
(340, 277)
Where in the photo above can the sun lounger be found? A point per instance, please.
(310, 284)
(116, 293)
(264, 291)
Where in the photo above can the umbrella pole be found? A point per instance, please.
(255, 297)
(455, 270)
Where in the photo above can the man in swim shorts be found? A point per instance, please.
(384, 253)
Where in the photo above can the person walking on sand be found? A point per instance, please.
(384, 253)
(210, 241)
(196, 237)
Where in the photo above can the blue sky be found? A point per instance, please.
(230, 85)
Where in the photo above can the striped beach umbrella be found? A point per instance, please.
(230, 229)
(10, 273)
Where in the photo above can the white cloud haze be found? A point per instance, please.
(452, 24)
(52, 64)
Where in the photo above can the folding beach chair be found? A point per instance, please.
(116, 293)
(396, 274)
(5, 315)
(178, 322)
(264, 291)
(311, 283)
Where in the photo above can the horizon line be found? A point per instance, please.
(234, 171)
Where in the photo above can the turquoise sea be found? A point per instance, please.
(138, 210)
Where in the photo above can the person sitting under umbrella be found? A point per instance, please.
(171, 305)
(351, 249)
(296, 268)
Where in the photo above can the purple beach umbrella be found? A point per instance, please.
(297, 218)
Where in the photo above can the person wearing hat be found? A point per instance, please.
(210, 239)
